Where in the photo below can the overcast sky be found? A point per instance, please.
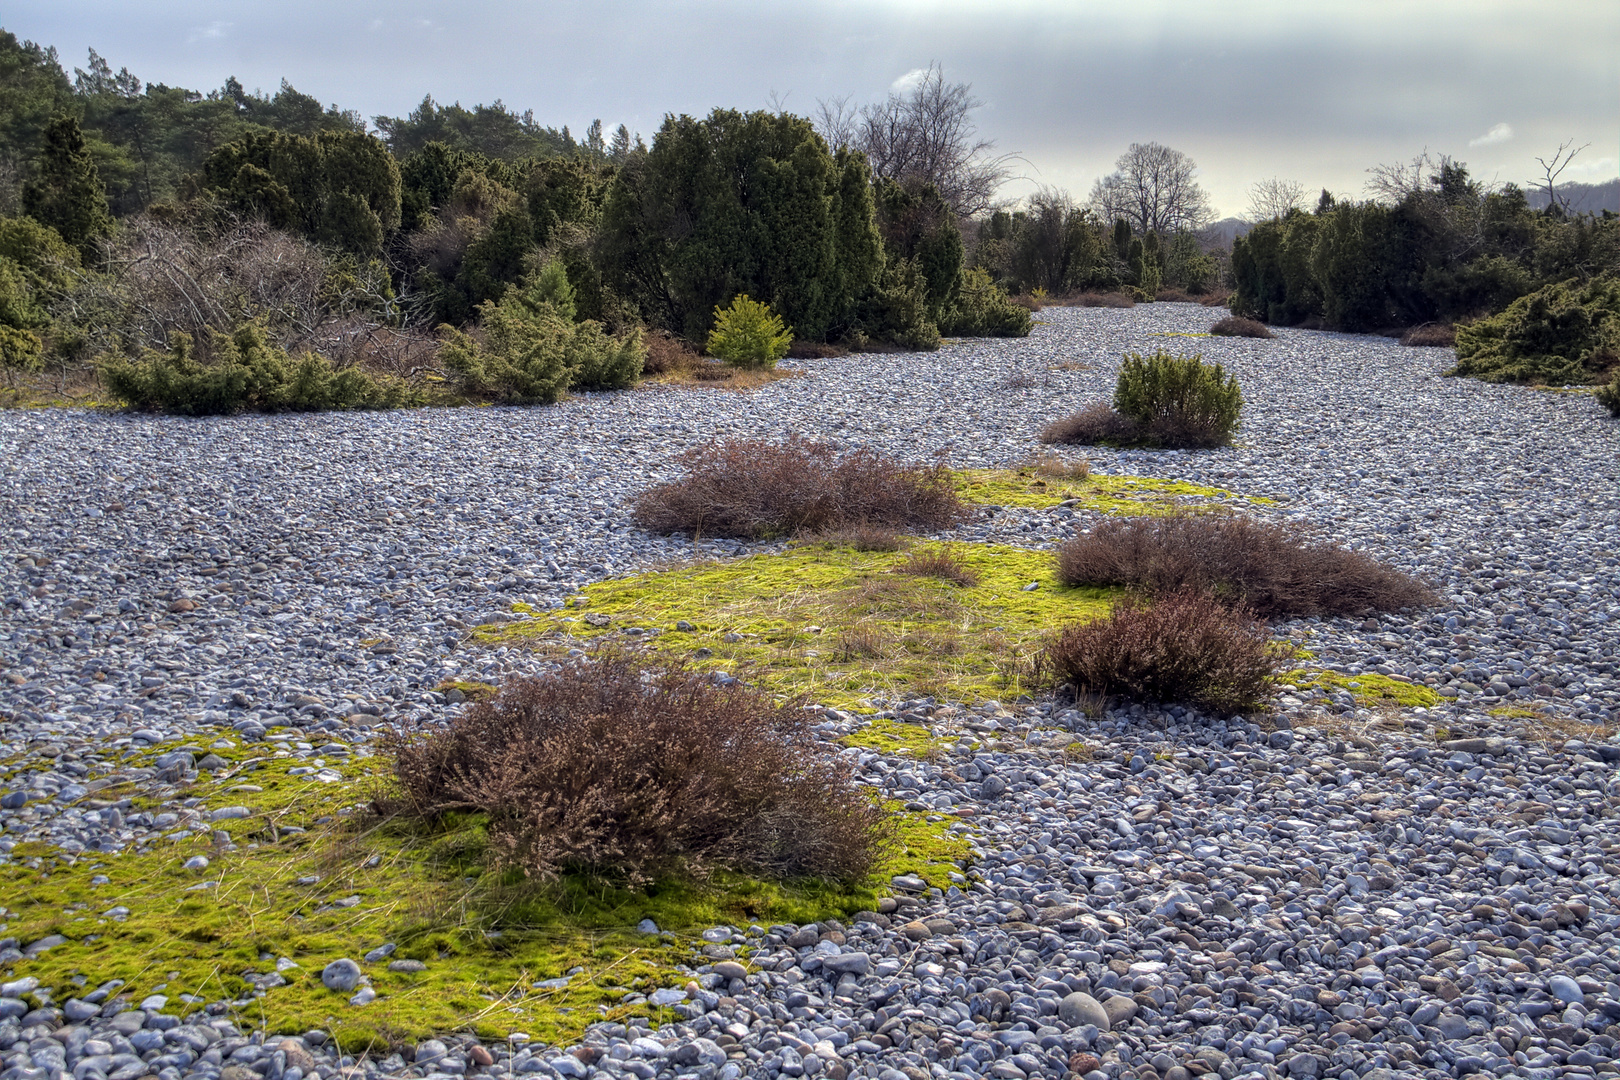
(1314, 91)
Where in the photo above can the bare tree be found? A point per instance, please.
(1274, 198)
(927, 134)
(1550, 170)
(1393, 183)
(1152, 187)
(838, 122)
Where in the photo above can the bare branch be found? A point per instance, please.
(1272, 199)
(1551, 169)
(1152, 187)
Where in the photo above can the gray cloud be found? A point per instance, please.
(1317, 92)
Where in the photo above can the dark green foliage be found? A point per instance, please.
(1179, 401)
(982, 309)
(336, 188)
(1354, 260)
(65, 192)
(33, 89)
(492, 131)
(917, 225)
(1608, 395)
(20, 317)
(896, 312)
(1561, 334)
(532, 351)
(739, 203)
(1049, 245)
(247, 374)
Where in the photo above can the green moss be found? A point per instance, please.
(1515, 712)
(1368, 689)
(352, 882)
(472, 691)
(834, 624)
(1119, 495)
(892, 737)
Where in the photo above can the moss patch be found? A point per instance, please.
(890, 737)
(837, 625)
(1368, 689)
(315, 879)
(1118, 495)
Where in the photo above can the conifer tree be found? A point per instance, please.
(66, 192)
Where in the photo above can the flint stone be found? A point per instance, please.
(1080, 1009)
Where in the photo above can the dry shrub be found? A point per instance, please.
(208, 277)
(1055, 466)
(860, 537)
(1027, 302)
(669, 355)
(940, 563)
(1094, 425)
(815, 350)
(628, 772)
(1238, 326)
(1430, 334)
(1100, 299)
(1275, 570)
(1177, 296)
(1218, 299)
(754, 488)
(1185, 648)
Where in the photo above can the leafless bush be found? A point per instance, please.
(1055, 466)
(941, 563)
(668, 354)
(1276, 570)
(1216, 299)
(1099, 299)
(1095, 425)
(1183, 648)
(1430, 334)
(1238, 326)
(626, 772)
(815, 350)
(1175, 295)
(756, 488)
(200, 279)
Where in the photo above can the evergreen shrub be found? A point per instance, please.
(246, 374)
(748, 334)
(1567, 333)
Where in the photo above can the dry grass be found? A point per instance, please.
(1276, 570)
(625, 771)
(1430, 334)
(753, 488)
(668, 355)
(1178, 296)
(940, 563)
(672, 362)
(860, 537)
(1184, 648)
(1018, 380)
(1237, 326)
(1054, 466)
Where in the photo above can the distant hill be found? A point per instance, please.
(1580, 198)
(1223, 232)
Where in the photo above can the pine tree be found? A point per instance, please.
(66, 192)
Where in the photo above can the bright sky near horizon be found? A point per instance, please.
(1316, 91)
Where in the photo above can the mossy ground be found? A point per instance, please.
(1117, 495)
(1369, 689)
(315, 877)
(834, 624)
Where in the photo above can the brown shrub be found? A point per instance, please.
(1177, 296)
(610, 768)
(940, 563)
(668, 355)
(1100, 299)
(815, 350)
(1238, 326)
(753, 488)
(1430, 334)
(1184, 648)
(1055, 466)
(1216, 299)
(1028, 302)
(1273, 569)
(1094, 425)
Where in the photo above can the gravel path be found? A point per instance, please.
(1330, 898)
